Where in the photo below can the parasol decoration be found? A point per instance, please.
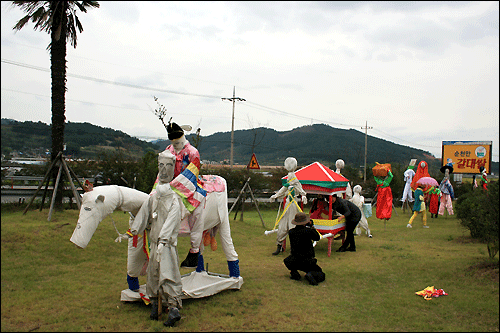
(428, 181)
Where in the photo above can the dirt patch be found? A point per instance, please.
(485, 269)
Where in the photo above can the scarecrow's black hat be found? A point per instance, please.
(447, 166)
(174, 131)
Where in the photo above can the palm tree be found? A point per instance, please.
(59, 19)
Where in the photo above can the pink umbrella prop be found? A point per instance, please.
(428, 181)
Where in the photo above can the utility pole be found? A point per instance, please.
(232, 122)
(366, 128)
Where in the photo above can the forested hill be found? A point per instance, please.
(307, 144)
(83, 140)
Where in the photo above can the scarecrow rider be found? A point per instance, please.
(184, 154)
(289, 191)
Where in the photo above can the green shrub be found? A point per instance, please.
(477, 211)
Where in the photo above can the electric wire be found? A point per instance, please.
(247, 103)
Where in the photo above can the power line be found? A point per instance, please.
(110, 63)
(109, 82)
(250, 104)
(111, 106)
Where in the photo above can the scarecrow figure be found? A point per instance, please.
(422, 171)
(359, 201)
(434, 195)
(302, 257)
(419, 206)
(290, 191)
(339, 164)
(384, 195)
(474, 182)
(447, 194)
(483, 179)
(319, 208)
(408, 177)
(161, 215)
(184, 154)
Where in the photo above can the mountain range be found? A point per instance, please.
(310, 143)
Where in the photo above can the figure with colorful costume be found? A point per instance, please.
(319, 208)
(184, 154)
(359, 201)
(290, 192)
(422, 171)
(419, 206)
(384, 193)
(434, 194)
(447, 193)
(484, 178)
(161, 215)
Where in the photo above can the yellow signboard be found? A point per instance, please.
(467, 156)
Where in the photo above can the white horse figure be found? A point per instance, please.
(103, 200)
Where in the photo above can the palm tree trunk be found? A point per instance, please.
(58, 73)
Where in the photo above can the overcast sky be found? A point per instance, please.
(419, 73)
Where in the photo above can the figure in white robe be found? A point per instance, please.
(161, 215)
(340, 164)
(407, 192)
(359, 201)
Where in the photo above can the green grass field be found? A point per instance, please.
(50, 285)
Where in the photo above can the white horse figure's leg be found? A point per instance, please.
(196, 227)
(225, 235)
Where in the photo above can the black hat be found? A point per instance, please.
(301, 219)
(481, 169)
(174, 131)
(448, 166)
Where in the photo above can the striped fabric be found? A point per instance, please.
(187, 187)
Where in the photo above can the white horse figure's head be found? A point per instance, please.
(96, 205)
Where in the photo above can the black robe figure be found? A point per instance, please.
(351, 213)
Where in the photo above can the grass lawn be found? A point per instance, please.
(50, 285)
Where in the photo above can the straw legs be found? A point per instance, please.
(424, 218)
(445, 203)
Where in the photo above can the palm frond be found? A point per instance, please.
(40, 17)
(19, 25)
(42, 14)
(78, 24)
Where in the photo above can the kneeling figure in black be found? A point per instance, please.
(302, 257)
